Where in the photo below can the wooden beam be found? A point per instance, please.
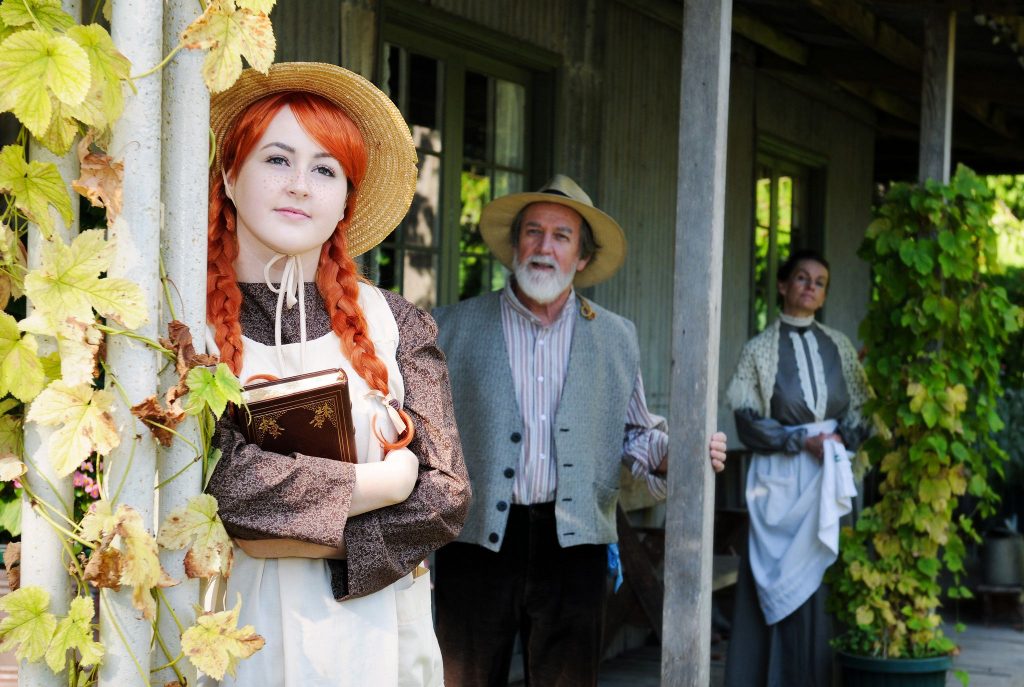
(884, 100)
(696, 325)
(936, 143)
(854, 18)
(769, 38)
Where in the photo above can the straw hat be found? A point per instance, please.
(496, 222)
(390, 180)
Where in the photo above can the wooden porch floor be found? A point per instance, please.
(993, 656)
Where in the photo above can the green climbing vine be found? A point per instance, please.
(935, 331)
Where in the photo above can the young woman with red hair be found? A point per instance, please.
(314, 166)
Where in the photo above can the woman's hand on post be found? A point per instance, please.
(716, 451)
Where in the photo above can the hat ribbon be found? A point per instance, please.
(293, 291)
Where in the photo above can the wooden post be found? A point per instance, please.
(697, 296)
(937, 95)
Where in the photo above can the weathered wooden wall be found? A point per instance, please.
(616, 109)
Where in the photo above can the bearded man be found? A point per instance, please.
(549, 401)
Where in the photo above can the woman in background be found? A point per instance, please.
(796, 395)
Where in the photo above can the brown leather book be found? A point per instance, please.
(309, 413)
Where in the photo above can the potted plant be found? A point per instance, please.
(934, 333)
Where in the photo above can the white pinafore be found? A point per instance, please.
(384, 639)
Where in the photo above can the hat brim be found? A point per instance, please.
(390, 181)
(496, 222)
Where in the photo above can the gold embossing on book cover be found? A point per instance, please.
(309, 414)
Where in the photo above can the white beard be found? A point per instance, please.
(541, 286)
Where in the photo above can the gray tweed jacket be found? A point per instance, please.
(588, 427)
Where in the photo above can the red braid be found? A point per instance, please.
(338, 281)
(223, 297)
(336, 278)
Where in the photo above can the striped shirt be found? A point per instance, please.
(538, 355)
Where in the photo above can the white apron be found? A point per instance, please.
(795, 503)
(385, 639)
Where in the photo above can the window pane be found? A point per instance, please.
(419, 278)
(423, 91)
(386, 267)
(420, 223)
(509, 117)
(476, 193)
(507, 182)
(476, 120)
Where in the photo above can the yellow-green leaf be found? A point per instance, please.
(11, 434)
(35, 186)
(21, 372)
(35, 66)
(61, 132)
(11, 468)
(67, 283)
(108, 68)
(212, 390)
(84, 423)
(29, 623)
(263, 6)
(865, 616)
(214, 644)
(74, 633)
(98, 522)
(199, 525)
(48, 14)
(140, 560)
(230, 33)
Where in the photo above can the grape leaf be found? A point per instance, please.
(21, 372)
(85, 425)
(109, 68)
(263, 6)
(61, 131)
(74, 633)
(29, 623)
(35, 67)
(78, 345)
(98, 520)
(230, 33)
(67, 283)
(212, 390)
(199, 525)
(48, 13)
(35, 186)
(11, 433)
(214, 644)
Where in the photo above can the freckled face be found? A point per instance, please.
(803, 293)
(289, 193)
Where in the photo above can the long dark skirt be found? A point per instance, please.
(793, 652)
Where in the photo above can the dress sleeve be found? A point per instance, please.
(765, 435)
(387, 543)
(266, 495)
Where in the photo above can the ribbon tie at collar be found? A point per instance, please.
(293, 291)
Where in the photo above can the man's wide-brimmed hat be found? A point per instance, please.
(496, 222)
(390, 180)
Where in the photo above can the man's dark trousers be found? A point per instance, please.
(554, 596)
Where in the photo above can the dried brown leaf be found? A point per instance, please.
(104, 568)
(100, 179)
(12, 561)
(154, 415)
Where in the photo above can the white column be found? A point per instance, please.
(697, 298)
(137, 30)
(44, 560)
(186, 147)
